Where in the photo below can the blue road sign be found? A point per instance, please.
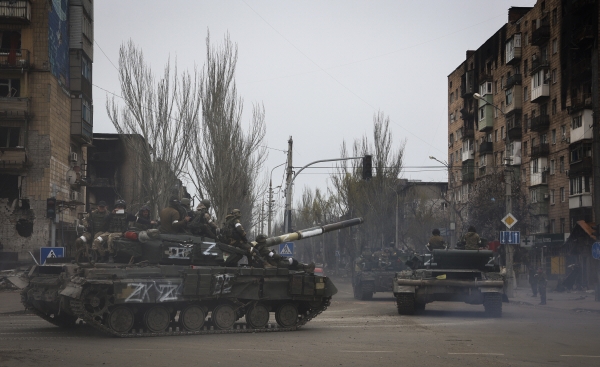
(510, 237)
(286, 249)
(596, 250)
(51, 252)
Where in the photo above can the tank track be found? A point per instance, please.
(53, 320)
(405, 303)
(78, 309)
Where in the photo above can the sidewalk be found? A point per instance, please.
(582, 301)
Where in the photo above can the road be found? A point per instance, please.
(349, 333)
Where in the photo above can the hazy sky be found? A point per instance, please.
(322, 69)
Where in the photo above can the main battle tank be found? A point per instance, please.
(168, 285)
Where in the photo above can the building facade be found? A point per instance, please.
(522, 106)
(45, 119)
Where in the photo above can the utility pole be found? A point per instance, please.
(288, 194)
(596, 138)
(270, 206)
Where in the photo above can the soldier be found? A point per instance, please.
(171, 220)
(270, 259)
(144, 212)
(472, 239)
(233, 232)
(541, 282)
(115, 224)
(436, 242)
(93, 223)
(185, 204)
(203, 224)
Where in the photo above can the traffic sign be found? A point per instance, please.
(286, 249)
(509, 220)
(596, 250)
(51, 253)
(510, 237)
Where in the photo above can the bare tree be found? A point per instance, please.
(226, 160)
(373, 199)
(160, 112)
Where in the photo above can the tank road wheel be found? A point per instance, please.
(257, 316)
(192, 318)
(287, 315)
(405, 303)
(121, 319)
(224, 316)
(157, 319)
(492, 302)
(97, 301)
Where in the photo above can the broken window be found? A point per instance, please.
(10, 40)
(9, 137)
(9, 187)
(10, 87)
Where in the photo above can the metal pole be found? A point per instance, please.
(54, 220)
(288, 191)
(270, 206)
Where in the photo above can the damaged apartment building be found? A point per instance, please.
(522, 105)
(46, 56)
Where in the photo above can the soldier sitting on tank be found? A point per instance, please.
(115, 224)
(144, 212)
(171, 220)
(471, 239)
(364, 260)
(185, 205)
(203, 224)
(233, 234)
(270, 258)
(93, 223)
(436, 242)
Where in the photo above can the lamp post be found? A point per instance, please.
(507, 197)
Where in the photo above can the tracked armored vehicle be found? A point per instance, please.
(370, 277)
(471, 276)
(179, 285)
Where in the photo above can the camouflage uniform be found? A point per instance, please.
(472, 241)
(234, 233)
(203, 224)
(266, 253)
(436, 242)
(171, 221)
(142, 226)
(93, 222)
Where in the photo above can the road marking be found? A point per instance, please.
(367, 351)
(578, 355)
(480, 354)
(148, 349)
(257, 350)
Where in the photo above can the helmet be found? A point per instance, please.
(236, 213)
(173, 200)
(121, 203)
(261, 237)
(436, 232)
(206, 203)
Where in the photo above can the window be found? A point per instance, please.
(86, 112)
(526, 93)
(554, 46)
(562, 194)
(86, 70)
(554, 16)
(525, 66)
(562, 225)
(501, 82)
(544, 139)
(554, 106)
(9, 137)
(553, 136)
(538, 79)
(481, 113)
(534, 197)
(502, 132)
(451, 139)
(451, 97)
(552, 167)
(526, 36)
(485, 88)
(552, 201)
(496, 135)
(554, 76)
(525, 148)
(552, 225)
(87, 29)
(509, 96)
(561, 164)
(563, 132)
(450, 86)
(524, 176)
(496, 86)
(579, 185)
(535, 166)
(451, 158)
(10, 87)
(576, 122)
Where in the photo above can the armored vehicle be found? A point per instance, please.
(170, 284)
(374, 274)
(471, 276)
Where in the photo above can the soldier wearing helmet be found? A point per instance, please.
(271, 259)
(93, 224)
(203, 224)
(144, 212)
(115, 224)
(233, 232)
(436, 242)
(173, 221)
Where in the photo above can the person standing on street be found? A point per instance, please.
(541, 282)
(533, 281)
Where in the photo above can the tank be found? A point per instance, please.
(470, 276)
(375, 273)
(179, 285)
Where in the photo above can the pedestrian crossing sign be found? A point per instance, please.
(286, 249)
(51, 253)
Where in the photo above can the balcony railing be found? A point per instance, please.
(512, 80)
(581, 168)
(14, 58)
(13, 158)
(541, 35)
(101, 182)
(14, 108)
(15, 11)
(540, 123)
(581, 102)
(537, 64)
(486, 147)
(468, 172)
(514, 127)
(541, 150)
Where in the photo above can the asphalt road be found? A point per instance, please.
(349, 333)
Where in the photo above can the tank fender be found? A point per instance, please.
(404, 288)
(73, 291)
(330, 289)
(490, 290)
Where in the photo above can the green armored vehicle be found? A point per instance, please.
(471, 276)
(375, 273)
(180, 285)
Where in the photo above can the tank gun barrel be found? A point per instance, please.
(312, 232)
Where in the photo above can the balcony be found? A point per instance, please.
(468, 84)
(515, 131)
(539, 64)
(13, 159)
(467, 155)
(580, 201)
(540, 94)
(101, 182)
(540, 208)
(540, 123)
(585, 131)
(468, 172)
(541, 35)
(541, 150)
(486, 148)
(14, 108)
(583, 167)
(513, 50)
(582, 102)
(515, 79)
(17, 59)
(15, 12)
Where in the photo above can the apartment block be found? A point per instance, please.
(522, 104)
(46, 122)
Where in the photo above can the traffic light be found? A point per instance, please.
(367, 167)
(51, 208)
